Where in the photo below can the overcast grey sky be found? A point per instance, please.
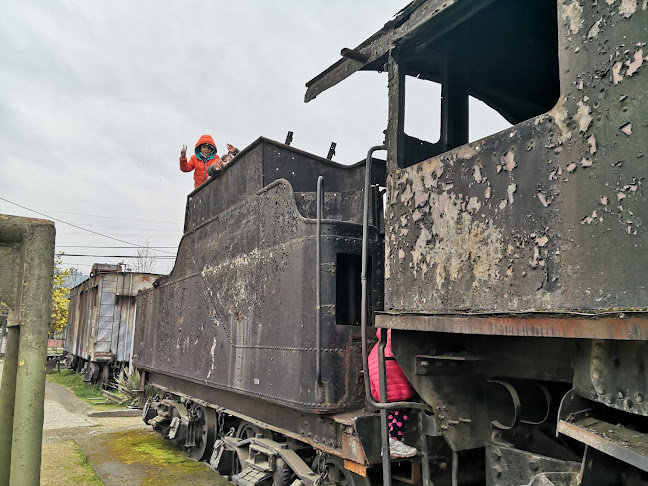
(97, 98)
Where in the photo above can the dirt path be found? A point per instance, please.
(122, 450)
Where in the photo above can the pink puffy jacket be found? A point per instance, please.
(398, 386)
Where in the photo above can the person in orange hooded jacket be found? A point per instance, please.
(204, 157)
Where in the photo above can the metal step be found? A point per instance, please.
(250, 476)
(577, 420)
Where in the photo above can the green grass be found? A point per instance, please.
(89, 475)
(81, 389)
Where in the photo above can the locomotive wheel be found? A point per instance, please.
(339, 475)
(205, 433)
(246, 430)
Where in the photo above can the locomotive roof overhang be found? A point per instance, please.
(507, 50)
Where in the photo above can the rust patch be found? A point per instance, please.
(572, 326)
(354, 467)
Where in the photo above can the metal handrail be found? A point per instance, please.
(363, 311)
(383, 406)
(318, 282)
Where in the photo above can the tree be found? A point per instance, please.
(60, 296)
(145, 261)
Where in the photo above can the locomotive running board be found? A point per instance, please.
(620, 326)
(576, 420)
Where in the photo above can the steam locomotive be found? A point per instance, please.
(511, 270)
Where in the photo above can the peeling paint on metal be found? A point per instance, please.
(626, 128)
(636, 64)
(509, 192)
(627, 8)
(572, 13)
(583, 117)
(617, 77)
(508, 160)
(593, 33)
(560, 115)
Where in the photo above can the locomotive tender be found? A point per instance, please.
(512, 270)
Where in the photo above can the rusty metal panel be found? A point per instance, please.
(625, 328)
(546, 216)
(238, 310)
(102, 315)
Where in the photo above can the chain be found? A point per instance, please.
(221, 424)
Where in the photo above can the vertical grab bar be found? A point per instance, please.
(318, 283)
(381, 405)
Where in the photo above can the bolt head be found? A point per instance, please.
(497, 454)
(620, 395)
(497, 471)
(638, 397)
(533, 465)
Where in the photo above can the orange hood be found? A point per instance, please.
(205, 139)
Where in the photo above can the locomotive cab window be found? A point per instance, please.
(519, 82)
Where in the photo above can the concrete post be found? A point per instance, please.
(27, 267)
(7, 400)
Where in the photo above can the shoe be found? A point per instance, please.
(398, 449)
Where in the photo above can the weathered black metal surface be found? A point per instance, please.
(579, 420)
(514, 467)
(546, 215)
(238, 310)
(265, 161)
(613, 373)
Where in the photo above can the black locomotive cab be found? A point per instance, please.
(515, 264)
